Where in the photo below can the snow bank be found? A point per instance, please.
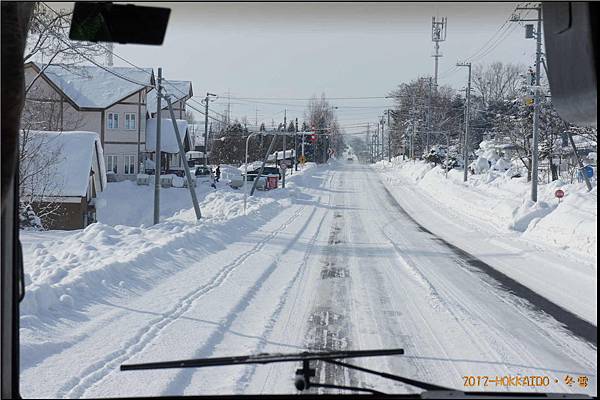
(501, 203)
(69, 270)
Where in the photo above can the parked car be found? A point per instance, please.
(266, 172)
(202, 170)
(179, 171)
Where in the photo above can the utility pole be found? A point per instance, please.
(428, 132)
(284, 147)
(529, 33)
(382, 122)
(467, 117)
(206, 126)
(369, 140)
(296, 147)
(377, 143)
(438, 34)
(412, 141)
(372, 148)
(389, 137)
(157, 150)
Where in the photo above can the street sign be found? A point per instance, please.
(588, 171)
(559, 194)
(283, 165)
(313, 137)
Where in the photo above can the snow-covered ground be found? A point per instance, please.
(548, 246)
(330, 262)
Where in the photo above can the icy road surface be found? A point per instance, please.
(342, 267)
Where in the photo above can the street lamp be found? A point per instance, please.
(206, 100)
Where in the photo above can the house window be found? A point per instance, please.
(113, 121)
(130, 121)
(129, 164)
(111, 164)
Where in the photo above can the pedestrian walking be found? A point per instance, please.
(217, 173)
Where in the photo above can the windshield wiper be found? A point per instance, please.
(303, 379)
(303, 375)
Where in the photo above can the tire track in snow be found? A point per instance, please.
(182, 379)
(96, 372)
(243, 381)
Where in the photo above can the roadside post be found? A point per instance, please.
(283, 167)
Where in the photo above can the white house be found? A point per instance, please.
(179, 92)
(93, 99)
(168, 147)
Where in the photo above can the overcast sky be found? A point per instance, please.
(277, 51)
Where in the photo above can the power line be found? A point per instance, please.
(503, 31)
(312, 98)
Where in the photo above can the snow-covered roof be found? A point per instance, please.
(279, 154)
(168, 140)
(89, 86)
(176, 89)
(74, 155)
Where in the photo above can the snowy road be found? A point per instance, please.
(342, 267)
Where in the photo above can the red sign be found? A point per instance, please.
(313, 138)
(559, 193)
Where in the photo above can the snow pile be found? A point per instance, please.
(489, 158)
(70, 270)
(498, 202)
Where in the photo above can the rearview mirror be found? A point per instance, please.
(108, 22)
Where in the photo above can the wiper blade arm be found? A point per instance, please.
(412, 382)
(262, 359)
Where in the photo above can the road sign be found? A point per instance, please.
(313, 137)
(302, 159)
(283, 165)
(559, 194)
(588, 171)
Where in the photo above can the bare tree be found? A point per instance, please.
(321, 117)
(39, 155)
(48, 41)
(497, 81)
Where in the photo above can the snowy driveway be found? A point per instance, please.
(342, 267)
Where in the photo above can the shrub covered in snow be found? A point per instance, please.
(28, 219)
